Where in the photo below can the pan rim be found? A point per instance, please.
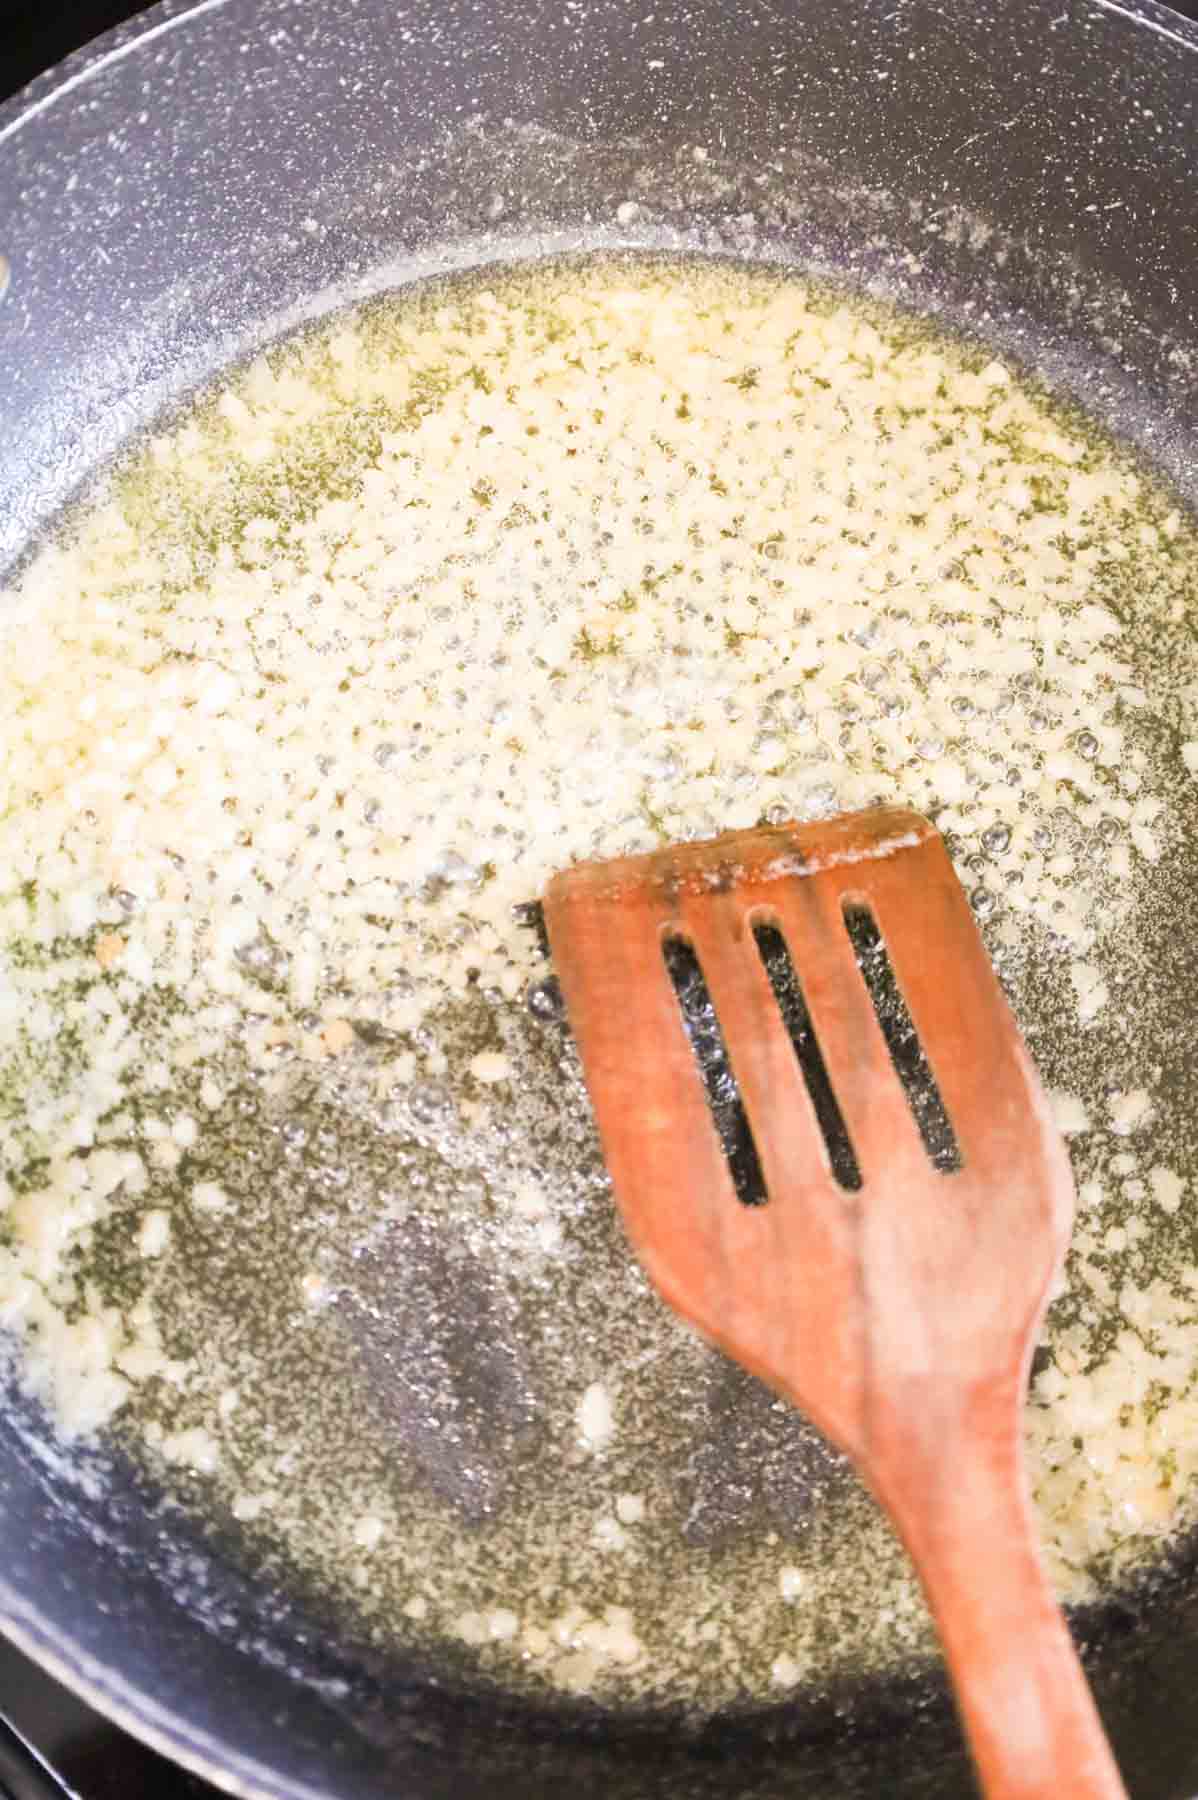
(82, 65)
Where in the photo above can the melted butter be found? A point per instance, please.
(303, 1198)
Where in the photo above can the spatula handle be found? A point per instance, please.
(1027, 1709)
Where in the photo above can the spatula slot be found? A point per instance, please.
(902, 1040)
(788, 992)
(711, 1059)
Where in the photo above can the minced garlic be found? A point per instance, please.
(413, 612)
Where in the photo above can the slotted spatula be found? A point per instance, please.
(900, 1313)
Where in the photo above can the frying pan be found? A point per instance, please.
(194, 184)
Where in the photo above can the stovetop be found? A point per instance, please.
(44, 1728)
(80, 1754)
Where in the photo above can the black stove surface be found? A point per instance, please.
(51, 1743)
(81, 1754)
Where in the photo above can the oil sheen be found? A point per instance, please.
(301, 1196)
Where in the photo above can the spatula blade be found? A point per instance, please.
(781, 1286)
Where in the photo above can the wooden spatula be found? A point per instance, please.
(891, 1292)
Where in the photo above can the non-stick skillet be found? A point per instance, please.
(197, 181)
